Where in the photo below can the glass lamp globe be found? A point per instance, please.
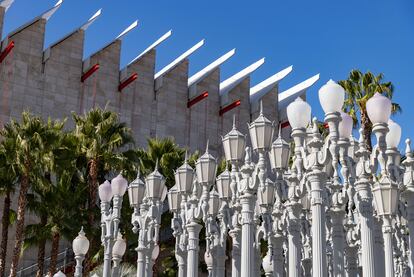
(213, 203)
(155, 252)
(59, 274)
(234, 144)
(223, 185)
(206, 168)
(298, 113)
(385, 197)
(105, 191)
(379, 108)
(261, 132)
(345, 126)
(279, 153)
(393, 136)
(80, 244)
(266, 195)
(174, 199)
(155, 184)
(119, 246)
(184, 176)
(164, 193)
(136, 192)
(119, 185)
(331, 97)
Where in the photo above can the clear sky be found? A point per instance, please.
(326, 37)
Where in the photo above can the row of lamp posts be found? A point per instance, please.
(319, 206)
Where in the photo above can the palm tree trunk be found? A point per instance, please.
(5, 221)
(93, 188)
(21, 209)
(41, 251)
(367, 129)
(54, 253)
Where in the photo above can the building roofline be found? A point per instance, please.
(237, 78)
(197, 77)
(6, 4)
(296, 91)
(258, 91)
(152, 46)
(180, 58)
(46, 16)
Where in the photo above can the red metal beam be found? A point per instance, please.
(88, 73)
(197, 99)
(128, 81)
(229, 107)
(285, 124)
(6, 51)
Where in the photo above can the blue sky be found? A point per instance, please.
(326, 37)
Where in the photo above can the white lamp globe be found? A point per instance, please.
(119, 246)
(105, 192)
(379, 108)
(331, 97)
(299, 113)
(345, 126)
(393, 136)
(80, 244)
(59, 274)
(155, 252)
(119, 185)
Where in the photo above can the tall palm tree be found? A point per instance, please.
(360, 87)
(33, 150)
(102, 139)
(7, 187)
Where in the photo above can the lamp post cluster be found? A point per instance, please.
(315, 207)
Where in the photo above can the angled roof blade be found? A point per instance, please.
(291, 94)
(6, 4)
(50, 12)
(128, 29)
(152, 46)
(183, 56)
(237, 78)
(91, 20)
(258, 91)
(208, 69)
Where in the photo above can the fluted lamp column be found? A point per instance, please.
(261, 133)
(385, 189)
(234, 144)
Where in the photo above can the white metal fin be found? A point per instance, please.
(179, 59)
(50, 12)
(128, 29)
(91, 20)
(234, 80)
(208, 69)
(294, 92)
(6, 4)
(152, 46)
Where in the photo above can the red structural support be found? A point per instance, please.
(6, 51)
(88, 73)
(197, 99)
(285, 124)
(229, 107)
(128, 81)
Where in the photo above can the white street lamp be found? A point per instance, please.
(118, 252)
(136, 192)
(174, 199)
(206, 168)
(80, 246)
(345, 126)
(155, 184)
(184, 177)
(379, 109)
(223, 185)
(279, 154)
(393, 136)
(105, 192)
(234, 144)
(261, 132)
(331, 97)
(299, 114)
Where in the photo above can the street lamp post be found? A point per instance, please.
(80, 246)
(110, 218)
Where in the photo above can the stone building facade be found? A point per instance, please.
(57, 80)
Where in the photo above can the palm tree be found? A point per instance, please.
(102, 137)
(360, 87)
(33, 139)
(7, 187)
